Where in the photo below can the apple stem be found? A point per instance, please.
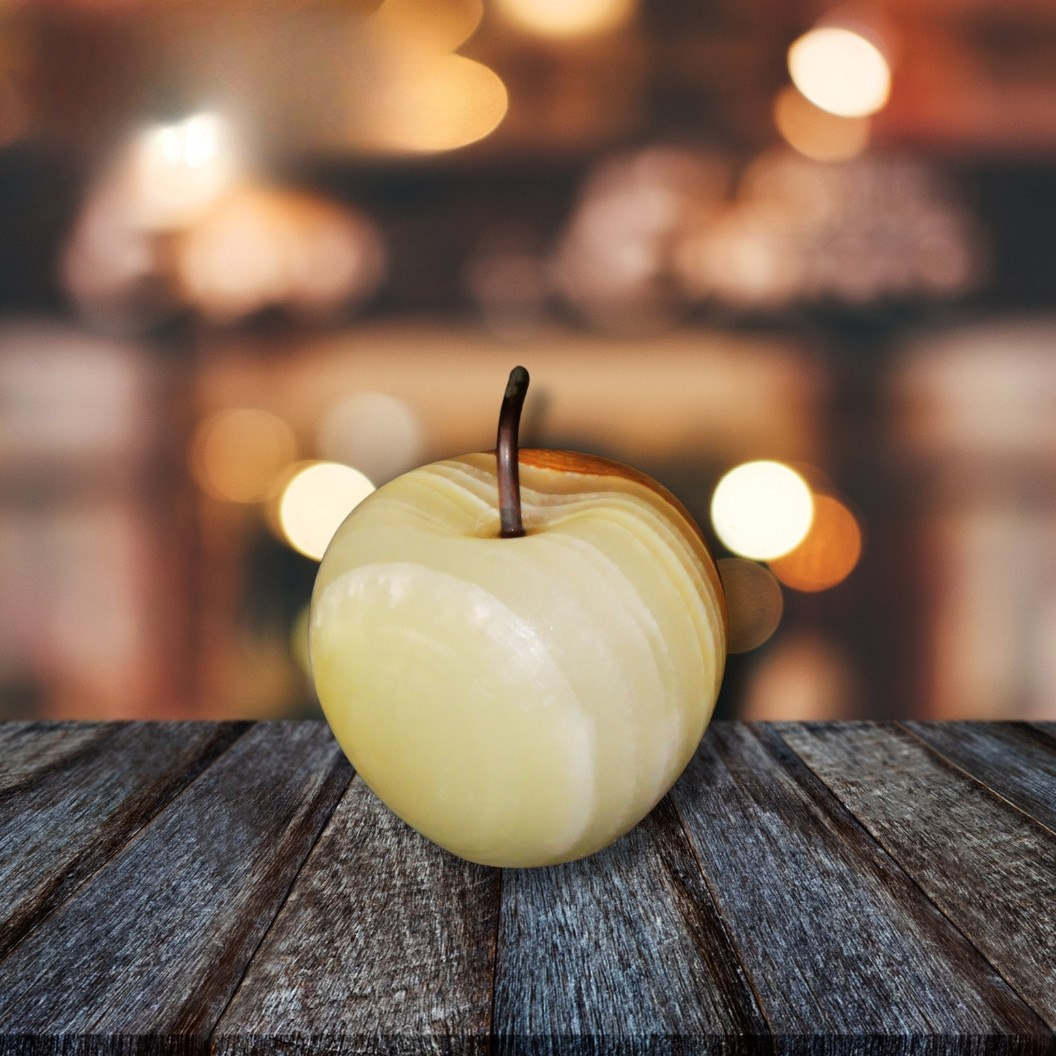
(512, 526)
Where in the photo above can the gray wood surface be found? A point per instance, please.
(385, 941)
(233, 889)
(983, 862)
(626, 946)
(836, 937)
(156, 940)
(65, 808)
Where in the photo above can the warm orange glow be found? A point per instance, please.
(423, 103)
(815, 132)
(409, 94)
(567, 18)
(237, 454)
(829, 552)
(259, 247)
(426, 24)
(840, 71)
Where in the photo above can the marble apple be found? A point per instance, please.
(519, 651)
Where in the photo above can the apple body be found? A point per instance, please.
(524, 701)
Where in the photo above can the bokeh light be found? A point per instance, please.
(762, 509)
(427, 25)
(567, 18)
(840, 71)
(261, 247)
(754, 603)
(237, 454)
(425, 104)
(316, 499)
(829, 552)
(614, 262)
(856, 231)
(178, 169)
(108, 261)
(817, 133)
(375, 432)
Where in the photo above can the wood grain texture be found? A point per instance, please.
(846, 889)
(987, 866)
(623, 952)
(1016, 761)
(30, 749)
(385, 945)
(154, 943)
(66, 805)
(843, 950)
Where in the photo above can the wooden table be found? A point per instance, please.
(233, 889)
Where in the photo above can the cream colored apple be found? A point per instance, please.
(520, 700)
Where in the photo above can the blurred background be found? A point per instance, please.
(258, 256)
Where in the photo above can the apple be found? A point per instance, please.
(519, 651)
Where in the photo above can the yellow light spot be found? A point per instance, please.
(567, 18)
(816, 133)
(427, 24)
(427, 103)
(237, 454)
(762, 509)
(316, 499)
(840, 71)
(829, 552)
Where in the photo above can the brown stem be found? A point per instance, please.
(506, 454)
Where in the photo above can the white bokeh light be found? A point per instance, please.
(840, 71)
(762, 510)
(317, 498)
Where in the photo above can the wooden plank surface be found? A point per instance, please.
(386, 943)
(989, 867)
(847, 888)
(837, 940)
(624, 951)
(1016, 761)
(155, 942)
(66, 806)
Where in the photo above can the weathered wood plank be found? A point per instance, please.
(79, 794)
(155, 942)
(842, 949)
(386, 944)
(988, 867)
(623, 952)
(28, 750)
(1015, 760)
